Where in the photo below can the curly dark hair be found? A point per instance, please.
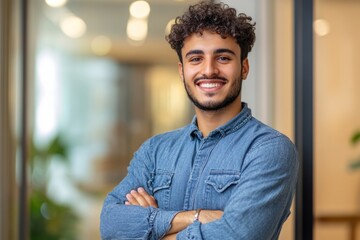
(214, 17)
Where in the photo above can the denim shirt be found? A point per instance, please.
(244, 168)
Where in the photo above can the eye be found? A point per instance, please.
(195, 60)
(223, 59)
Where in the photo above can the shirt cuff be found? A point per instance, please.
(161, 222)
(191, 232)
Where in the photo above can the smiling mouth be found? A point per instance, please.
(209, 85)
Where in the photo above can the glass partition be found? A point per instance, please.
(99, 89)
(337, 125)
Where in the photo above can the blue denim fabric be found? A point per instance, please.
(244, 168)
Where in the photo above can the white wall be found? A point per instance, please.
(269, 87)
(257, 89)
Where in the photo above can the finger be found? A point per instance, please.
(127, 203)
(131, 199)
(149, 198)
(139, 198)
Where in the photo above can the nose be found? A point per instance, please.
(210, 68)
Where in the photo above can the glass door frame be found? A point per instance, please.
(303, 47)
(304, 82)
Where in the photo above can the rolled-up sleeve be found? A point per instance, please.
(120, 221)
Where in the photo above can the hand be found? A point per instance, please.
(141, 198)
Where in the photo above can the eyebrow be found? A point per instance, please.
(192, 52)
(224, 50)
(217, 51)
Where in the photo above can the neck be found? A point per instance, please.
(208, 121)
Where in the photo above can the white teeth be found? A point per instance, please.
(209, 85)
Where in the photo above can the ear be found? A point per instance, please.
(245, 69)
(181, 72)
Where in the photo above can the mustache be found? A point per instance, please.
(214, 77)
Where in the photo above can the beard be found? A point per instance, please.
(216, 105)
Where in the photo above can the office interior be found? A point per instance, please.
(85, 82)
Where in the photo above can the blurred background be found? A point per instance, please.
(102, 79)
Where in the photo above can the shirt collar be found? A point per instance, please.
(231, 126)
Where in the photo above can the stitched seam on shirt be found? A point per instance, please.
(263, 142)
(242, 123)
(203, 165)
(152, 220)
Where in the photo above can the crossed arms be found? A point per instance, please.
(181, 220)
(258, 206)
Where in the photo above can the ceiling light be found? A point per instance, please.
(56, 3)
(169, 25)
(101, 45)
(139, 9)
(137, 29)
(73, 26)
(321, 27)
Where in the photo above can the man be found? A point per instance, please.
(224, 176)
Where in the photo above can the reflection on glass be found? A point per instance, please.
(96, 99)
(47, 95)
(56, 3)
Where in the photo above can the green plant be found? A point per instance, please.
(355, 139)
(48, 220)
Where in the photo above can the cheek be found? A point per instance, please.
(232, 71)
(189, 73)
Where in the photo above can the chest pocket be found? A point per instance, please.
(218, 187)
(161, 186)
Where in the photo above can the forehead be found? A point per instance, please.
(209, 42)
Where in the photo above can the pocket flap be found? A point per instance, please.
(222, 179)
(162, 180)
